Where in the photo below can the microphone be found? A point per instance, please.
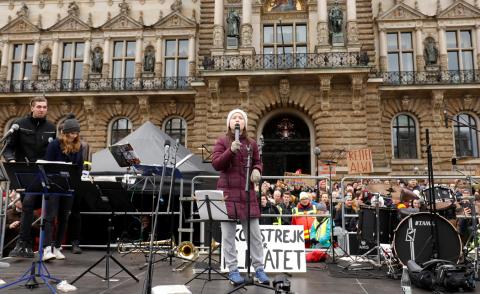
(445, 117)
(50, 139)
(166, 150)
(237, 132)
(316, 151)
(12, 130)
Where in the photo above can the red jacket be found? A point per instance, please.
(233, 178)
(301, 217)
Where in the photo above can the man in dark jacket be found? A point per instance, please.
(28, 144)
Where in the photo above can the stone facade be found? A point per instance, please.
(346, 96)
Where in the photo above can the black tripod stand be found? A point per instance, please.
(108, 255)
(207, 204)
(249, 280)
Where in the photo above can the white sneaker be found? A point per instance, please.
(48, 254)
(64, 286)
(58, 253)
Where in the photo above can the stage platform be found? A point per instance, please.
(320, 277)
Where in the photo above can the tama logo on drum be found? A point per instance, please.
(419, 223)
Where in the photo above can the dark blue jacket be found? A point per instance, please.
(54, 153)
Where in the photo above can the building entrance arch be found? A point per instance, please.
(287, 144)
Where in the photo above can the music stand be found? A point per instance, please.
(44, 179)
(211, 207)
(112, 200)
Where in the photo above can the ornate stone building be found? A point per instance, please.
(114, 64)
(344, 74)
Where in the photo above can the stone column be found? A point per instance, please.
(144, 107)
(383, 50)
(86, 59)
(106, 58)
(191, 56)
(36, 48)
(218, 30)
(54, 69)
(4, 64)
(322, 24)
(138, 57)
(323, 98)
(420, 60)
(438, 105)
(352, 29)
(246, 27)
(477, 31)
(443, 48)
(158, 58)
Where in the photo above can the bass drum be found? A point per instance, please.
(413, 239)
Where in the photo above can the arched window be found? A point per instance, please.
(404, 137)
(119, 129)
(466, 142)
(176, 127)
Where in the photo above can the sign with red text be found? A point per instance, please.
(283, 249)
(360, 161)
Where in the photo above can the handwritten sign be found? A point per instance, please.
(324, 170)
(299, 181)
(283, 249)
(360, 161)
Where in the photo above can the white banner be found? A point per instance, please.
(283, 249)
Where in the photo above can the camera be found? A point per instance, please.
(281, 285)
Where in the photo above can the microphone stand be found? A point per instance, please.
(431, 197)
(249, 280)
(147, 285)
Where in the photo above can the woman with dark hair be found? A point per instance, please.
(230, 159)
(66, 148)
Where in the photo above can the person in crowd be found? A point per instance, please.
(350, 222)
(66, 148)
(269, 208)
(301, 216)
(286, 208)
(12, 222)
(322, 186)
(277, 197)
(29, 144)
(230, 158)
(321, 229)
(326, 200)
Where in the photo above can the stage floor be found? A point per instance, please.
(319, 278)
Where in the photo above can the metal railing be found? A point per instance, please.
(259, 62)
(395, 78)
(95, 85)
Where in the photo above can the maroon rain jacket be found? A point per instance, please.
(233, 176)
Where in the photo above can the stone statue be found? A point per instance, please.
(45, 63)
(149, 61)
(233, 23)
(335, 17)
(97, 60)
(430, 52)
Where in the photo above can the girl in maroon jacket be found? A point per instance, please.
(230, 158)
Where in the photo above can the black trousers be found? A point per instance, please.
(59, 207)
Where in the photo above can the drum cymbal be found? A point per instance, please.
(407, 195)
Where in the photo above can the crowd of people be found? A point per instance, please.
(310, 207)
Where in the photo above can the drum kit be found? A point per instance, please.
(410, 231)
